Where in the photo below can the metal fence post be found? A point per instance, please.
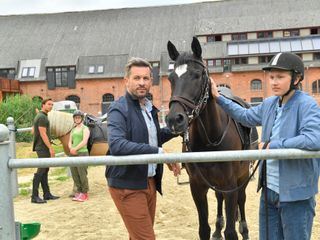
(7, 224)
(12, 140)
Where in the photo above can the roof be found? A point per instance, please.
(64, 38)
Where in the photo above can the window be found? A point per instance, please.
(267, 34)
(210, 62)
(256, 101)
(265, 59)
(291, 33)
(214, 62)
(91, 69)
(214, 38)
(256, 84)
(7, 73)
(316, 56)
(108, 97)
(28, 72)
(314, 31)
(61, 77)
(316, 86)
(238, 36)
(155, 64)
(75, 99)
(307, 43)
(242, 60)
(226, 65)
(100, 69)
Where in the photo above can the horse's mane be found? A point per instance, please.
(60, 123)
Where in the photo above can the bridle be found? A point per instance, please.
(197, 107)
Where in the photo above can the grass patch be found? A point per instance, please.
(62, 178)
(24, 192)
(25, 185)
(58, 171)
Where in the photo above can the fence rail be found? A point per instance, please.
(8, 164)
(200, 157)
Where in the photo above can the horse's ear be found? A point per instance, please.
(173, 52)
(196, 47)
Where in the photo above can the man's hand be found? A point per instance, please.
(214, 89)
(175, 168)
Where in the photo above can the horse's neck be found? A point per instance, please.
(213, 119)
(65, 140)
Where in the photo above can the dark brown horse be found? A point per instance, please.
(206, 127)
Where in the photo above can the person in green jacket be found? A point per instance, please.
(78, 147)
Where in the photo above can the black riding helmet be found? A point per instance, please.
(78, 113)
(286, 61)
(289, 62)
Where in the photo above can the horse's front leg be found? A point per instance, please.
(199, 195)
(220, 220)
(231, 203)
(243, 227)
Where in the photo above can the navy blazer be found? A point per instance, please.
(128, 135)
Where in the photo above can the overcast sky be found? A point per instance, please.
(8, 7)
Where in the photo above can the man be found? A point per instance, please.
(133, 128)
(43, 147)
(290, 119)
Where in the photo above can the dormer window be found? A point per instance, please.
(100, 69)
(91, 69)
(28, 72)
(94, 69)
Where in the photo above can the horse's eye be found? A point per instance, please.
(196, 74)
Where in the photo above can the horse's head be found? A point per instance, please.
(189, 87)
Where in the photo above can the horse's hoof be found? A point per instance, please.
(217, 236)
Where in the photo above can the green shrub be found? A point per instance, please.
(22, 109)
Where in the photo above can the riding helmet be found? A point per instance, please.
(286, 61)
(78, 113)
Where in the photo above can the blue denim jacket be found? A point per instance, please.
(300, 128)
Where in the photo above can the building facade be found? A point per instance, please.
(80, 56)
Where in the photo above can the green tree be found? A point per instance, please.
(22, 109)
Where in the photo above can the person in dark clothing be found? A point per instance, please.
(133, 128)
(42, 145)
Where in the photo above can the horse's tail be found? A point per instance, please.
(60, 123)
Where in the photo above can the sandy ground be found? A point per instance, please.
(176, 216)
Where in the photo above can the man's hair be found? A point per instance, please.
(137, 62)
(44, 101)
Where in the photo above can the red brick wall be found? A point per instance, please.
(91, 91)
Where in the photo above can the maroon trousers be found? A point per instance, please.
(137, 209)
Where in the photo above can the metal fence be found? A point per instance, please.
(8, 164)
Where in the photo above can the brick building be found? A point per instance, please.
(80, 56)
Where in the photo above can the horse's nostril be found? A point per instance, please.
(179, 118)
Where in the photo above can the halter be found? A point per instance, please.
(187, 104)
